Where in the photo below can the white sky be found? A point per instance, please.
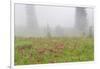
(55, 16)
(63, 16)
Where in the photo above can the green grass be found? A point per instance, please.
(45, 50)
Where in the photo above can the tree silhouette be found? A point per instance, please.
(31, 19)
(81, 20)
(91, 34)
(48, 31)
(59, 31)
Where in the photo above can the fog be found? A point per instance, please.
(52, 21)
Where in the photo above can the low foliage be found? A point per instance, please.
(53, 50)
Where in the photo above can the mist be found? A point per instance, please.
(52, 21)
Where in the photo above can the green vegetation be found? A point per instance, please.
(53, 50)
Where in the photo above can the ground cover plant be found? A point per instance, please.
(53, 50)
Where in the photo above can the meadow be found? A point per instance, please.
(53, 50)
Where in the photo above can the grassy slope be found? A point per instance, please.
(44, 50)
